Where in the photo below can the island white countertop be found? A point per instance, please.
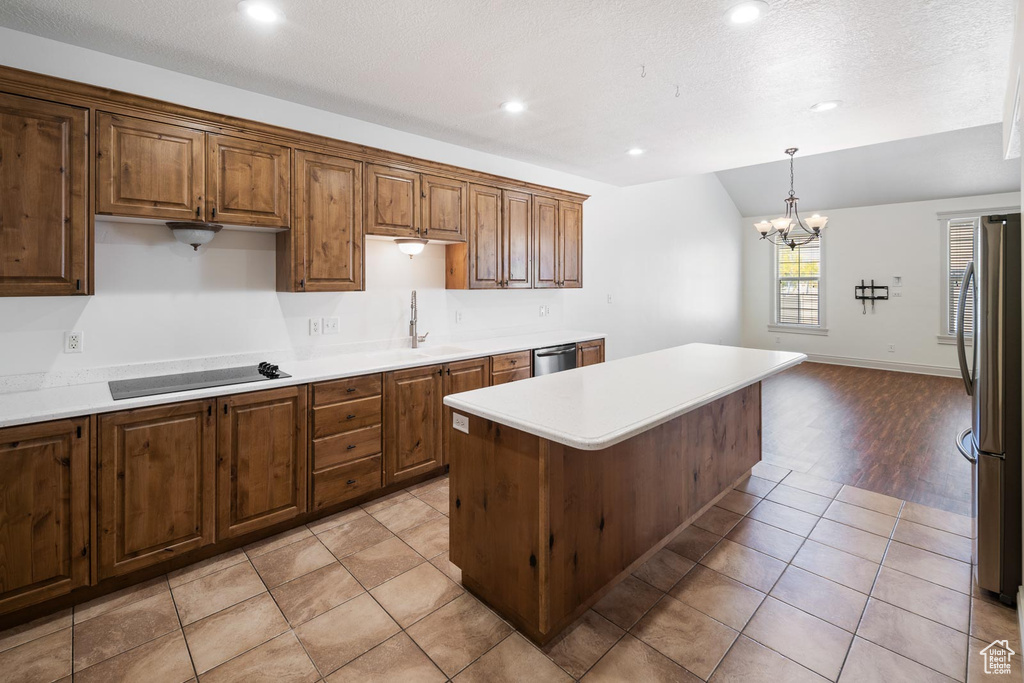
(601, 405)
(72, 400)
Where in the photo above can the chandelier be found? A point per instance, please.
(782, 230)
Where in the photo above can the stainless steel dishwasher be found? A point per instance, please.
(554, 359)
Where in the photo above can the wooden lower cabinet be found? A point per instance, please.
(155, 484)
(412, 422)
(465, 375)
(44, 511)
(261, 459)
(589, 353)
(511, 367)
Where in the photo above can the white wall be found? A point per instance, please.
(869, 242)
(157, 300)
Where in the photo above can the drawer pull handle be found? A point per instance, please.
(350, 446)
(514, 361)
(350, 389)
(349, 417)
(351, 481)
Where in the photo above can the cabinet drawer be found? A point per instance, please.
(510, 376)
(346, 447)
(342, 417)
(345, 482)
(511, 361)
(346, 389)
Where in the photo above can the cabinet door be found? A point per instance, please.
(589, 353)
(149, 169)
(392, 202)
(156, 484)
(262, 458)
(485, 254)
(517, 239)
(44, 222)
(248, 182)
(570, 247)
(44, 511)
(465, 375)
(412, 422)
(325, 243)
(545, 242)
(444, 208)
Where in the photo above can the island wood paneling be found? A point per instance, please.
(465, 375)
(44, 511)
(541, 531)
(155, 484)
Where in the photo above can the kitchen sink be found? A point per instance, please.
(434, 351)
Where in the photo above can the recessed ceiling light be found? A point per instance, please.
(748, 11)
(513, 106)
(827, 105)
(262, 12)
(635, 151)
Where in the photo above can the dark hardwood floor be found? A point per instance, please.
(890, 432)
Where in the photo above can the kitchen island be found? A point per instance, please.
(563, 485)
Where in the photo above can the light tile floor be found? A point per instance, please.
(789, 578)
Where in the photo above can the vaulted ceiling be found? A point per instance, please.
(903, 69)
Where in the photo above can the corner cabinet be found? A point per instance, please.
(558, 243)
(323, 252)
(44, 511)
(261, 459)
(155, 484)
(45, 245)
(149, 169)
(412, 422)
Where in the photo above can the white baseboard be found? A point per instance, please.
(893, 366)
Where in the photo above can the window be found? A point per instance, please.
(797, 288)
(959, 251)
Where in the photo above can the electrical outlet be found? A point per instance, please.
(315, 326)
(609, 298)
(547, 310)
(892, 348)
(542, 313)
(460, 422)
(458, 317)
(73, 342)
(331, 326)
(778, 340)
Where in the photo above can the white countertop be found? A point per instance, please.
(54, 403)
(601, 405)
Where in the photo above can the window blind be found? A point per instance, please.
(961, 252)
(798, 274)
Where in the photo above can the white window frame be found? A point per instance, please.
(773, 299)
(944, 217)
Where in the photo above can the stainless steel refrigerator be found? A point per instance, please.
(993, 380)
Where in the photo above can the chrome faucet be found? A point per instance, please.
(416, 339)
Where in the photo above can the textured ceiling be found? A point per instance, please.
(904, 68)
(962, 163)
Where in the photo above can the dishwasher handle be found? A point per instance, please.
(555, 351)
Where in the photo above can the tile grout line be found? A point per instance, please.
(181, 627)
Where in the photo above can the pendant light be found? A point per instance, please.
(781, 230)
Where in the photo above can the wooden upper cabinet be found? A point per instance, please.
(155, 485)
(412, 422)
(323, 252)
(485, 235)
(444, 208)
(44, 511)
(545, 242)
(149, 169)
(570, 226)
(262, 459)
(248, 182)
(44, 222)
(517, 239)
(392, 202)
(589, 353)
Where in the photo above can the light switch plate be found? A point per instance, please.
(460, 422)
(331, 325)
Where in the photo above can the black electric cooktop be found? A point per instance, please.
(187, 381)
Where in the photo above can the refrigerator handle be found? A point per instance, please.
(960, 349)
